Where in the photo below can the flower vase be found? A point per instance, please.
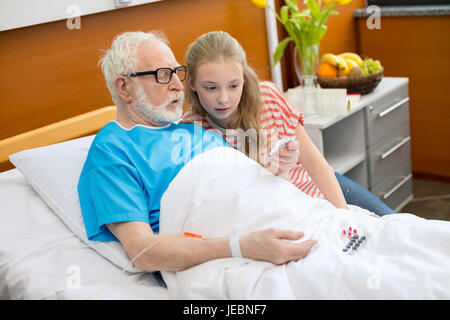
(306, 63)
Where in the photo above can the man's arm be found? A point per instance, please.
(178, 253)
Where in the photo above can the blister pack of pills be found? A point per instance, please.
(355, 241)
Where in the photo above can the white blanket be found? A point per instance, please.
(222, 192)
(40, 258)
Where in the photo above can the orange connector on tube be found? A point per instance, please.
(192, 235)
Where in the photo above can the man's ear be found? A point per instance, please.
(123, 86)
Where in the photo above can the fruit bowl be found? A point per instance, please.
(362, 84)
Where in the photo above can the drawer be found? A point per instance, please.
(396, 189)
(388, 155)
(386, 114)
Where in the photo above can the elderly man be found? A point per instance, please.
(131, 163)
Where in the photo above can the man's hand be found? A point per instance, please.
(270, 245)
(285, 159)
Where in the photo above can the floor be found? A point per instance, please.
(431, 200)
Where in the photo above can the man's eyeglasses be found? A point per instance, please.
(163, 75)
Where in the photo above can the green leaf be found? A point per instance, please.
(319, 33)
(314, 7)
(297, 29)
(289, 26)
(302, 14)
(306, 27)
(296, 23)
(292, 5)
(284, 12)
(280, 50)
(325, 14)
(276, 14)
(304, 39)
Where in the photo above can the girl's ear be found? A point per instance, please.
(191, 85)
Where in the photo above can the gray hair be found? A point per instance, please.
(121, 58)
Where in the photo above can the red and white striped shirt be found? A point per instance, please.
(279, 118)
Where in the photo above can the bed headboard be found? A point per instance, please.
(75, 127)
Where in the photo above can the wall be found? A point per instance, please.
(418, 48)
(12, 12)
(50, 73)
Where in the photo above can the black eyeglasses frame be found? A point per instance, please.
(155, 72)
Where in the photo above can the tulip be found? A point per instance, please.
(341, 2)
(260, 3)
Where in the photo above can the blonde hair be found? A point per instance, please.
(214, 46)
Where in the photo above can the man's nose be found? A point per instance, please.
(175, 83)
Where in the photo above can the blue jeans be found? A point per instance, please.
(357, 195)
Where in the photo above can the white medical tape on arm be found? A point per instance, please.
(235, 247)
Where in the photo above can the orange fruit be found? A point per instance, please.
(327, 70)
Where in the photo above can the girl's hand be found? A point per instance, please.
(281, 162)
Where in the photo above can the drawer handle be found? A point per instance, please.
(393, 107)
(398, 145)
(397, 186)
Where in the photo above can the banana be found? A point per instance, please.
(343, 69)
(350, 64)
(351, 56)
(330, 58)
(342, 66)
(334, 60)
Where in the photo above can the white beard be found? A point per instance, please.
(159, 113)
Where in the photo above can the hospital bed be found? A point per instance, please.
(45, 254)
(41, 257)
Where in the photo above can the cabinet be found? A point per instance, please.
(370, 144)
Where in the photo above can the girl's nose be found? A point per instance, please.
(222, 98)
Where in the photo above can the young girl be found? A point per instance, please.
(226, 96)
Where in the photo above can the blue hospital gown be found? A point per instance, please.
(128, 170)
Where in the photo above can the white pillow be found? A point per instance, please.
(53, 171)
